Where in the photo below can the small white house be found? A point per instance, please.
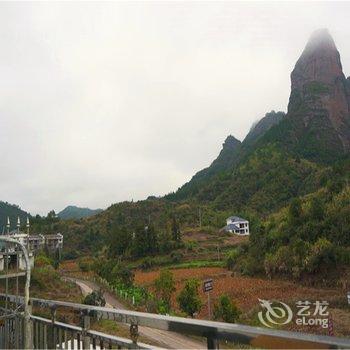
(237, 225)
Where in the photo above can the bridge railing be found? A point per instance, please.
(15, 322)
(212, 331)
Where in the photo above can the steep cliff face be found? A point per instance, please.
(225, 161)
(319, 104)
(262, 126)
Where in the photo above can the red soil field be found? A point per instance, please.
(245, 291)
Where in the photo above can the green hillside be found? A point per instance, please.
(13, 212)
(232, 152)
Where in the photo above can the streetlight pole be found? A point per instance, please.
(28, 331)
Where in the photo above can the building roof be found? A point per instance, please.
(231, 227)
(236, 218)
(54, 236)
(34, 237)
(15, 232)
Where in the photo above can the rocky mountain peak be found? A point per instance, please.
(230, 142)
(320, 61)
(320, 94)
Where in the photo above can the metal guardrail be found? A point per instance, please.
(213, 331)
(49, 335)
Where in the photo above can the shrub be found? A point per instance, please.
(226, 310)
(44, 277)
(176, 257)
(42, 260)
(188, 299)
(232, 258)
(70, 255)
(147, 263)
(248, 266)
(122, 274)
(191, 245)
(322, 254)
(86, 264)
(165, 287)
(95, 298)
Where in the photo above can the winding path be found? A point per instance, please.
(169, 340)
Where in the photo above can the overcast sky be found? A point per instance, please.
(104, 102)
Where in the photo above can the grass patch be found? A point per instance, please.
(196, 264)
(315, 87)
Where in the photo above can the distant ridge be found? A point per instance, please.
(74, 212)
(232, 151)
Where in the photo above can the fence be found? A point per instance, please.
(69, 336)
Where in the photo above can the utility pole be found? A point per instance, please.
(209, 311)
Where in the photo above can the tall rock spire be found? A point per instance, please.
(320, 96)
(320, 61)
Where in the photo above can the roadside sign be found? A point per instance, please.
(208, 285)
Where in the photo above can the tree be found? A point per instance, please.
(188, 299)
(316, 209)
(151, 239)
(175, 230)
(119, 239)
(139, 246)
(295, 212)
(122, 274)
(56, 258)
(322, 256)
(226, 310)
(232, 258)
(145, 241)
(165, 286)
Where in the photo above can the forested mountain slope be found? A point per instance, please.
(232, 152)
(13, 212)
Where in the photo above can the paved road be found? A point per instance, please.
(169, 340)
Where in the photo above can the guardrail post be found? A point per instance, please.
(86, 326)
(134, 333)
(28, 329)
(212, 343)
(51, 330)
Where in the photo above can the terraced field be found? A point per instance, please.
(245, 292)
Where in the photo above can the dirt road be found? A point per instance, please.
(169, 340)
